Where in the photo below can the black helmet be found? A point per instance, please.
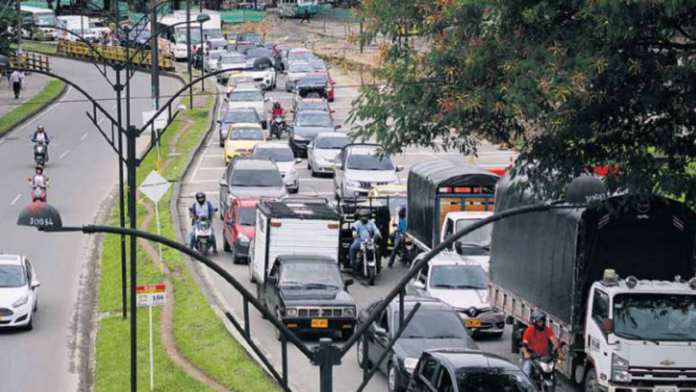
(39, 167)
(538, 316)
(200, 197)
(402, 211)
(276, 104)
(364, 213)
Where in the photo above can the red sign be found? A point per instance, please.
(160, 288)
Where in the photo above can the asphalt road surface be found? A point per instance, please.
(207, 171)
(82, 170)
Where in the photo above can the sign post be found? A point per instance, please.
(154, 295)
(154, 187)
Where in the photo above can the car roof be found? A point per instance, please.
(313, 111)
(305, 258)
(272, 145)
(254, 164)
(246, 125)
(10, 259)
(245, 88)
(472, 359)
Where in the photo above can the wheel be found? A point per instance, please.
(225, 245)
(259, 296)
(309, 167)
(251, 274)
(235, 258)
(590, 384)
(347, 333)
(393, 379)
(278, 335)
(30, 326)
(36, 306)
(362, 362)
(371, 275)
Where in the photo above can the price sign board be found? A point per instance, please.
(153, 295)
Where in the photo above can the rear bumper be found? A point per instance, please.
(241, 250)
(491, 322)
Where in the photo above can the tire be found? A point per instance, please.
(251, 274)
(277, 331)
(225, 245)
(30, 326)
(393, 379)
(590, 384)
(259, 296)
(309, 167)
(235, 258)
(371, 275)
(362, 362)
(36, 306)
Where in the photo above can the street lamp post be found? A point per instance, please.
(188, 49)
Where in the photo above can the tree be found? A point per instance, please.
(7, 37)
(580, 84)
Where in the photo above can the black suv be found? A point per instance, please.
(308, 294)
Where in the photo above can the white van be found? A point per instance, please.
(79, 26)
(38, 22)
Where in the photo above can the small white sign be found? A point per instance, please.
(160, 122)
(156, 299)
(154, 186)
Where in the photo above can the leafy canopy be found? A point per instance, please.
(580, 84)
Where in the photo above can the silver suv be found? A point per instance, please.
(359, 168)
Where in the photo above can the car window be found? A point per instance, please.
(314, 119)
(246, 134)
(301, 56)
(384, 320)
(12, 276)
(232, 60)
(600, 306)
(449, 228)
(460, 277)
(247, 216)
(257, 178)
(245, 116)
(300, 67)
(443, 381)
(246, 96)
(29, 272)
(468, 380)
(433, 324)
(300, 274)
(427, 370)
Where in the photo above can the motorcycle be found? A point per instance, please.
(407, 251)
(203, 234)
(367, 260)
(38, 193)
(41, 153)
(544, 371)
(277, 126)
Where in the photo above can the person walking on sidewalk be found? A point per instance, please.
(17, 82)
(305, 16)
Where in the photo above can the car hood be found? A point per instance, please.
(246, 104)
(259, 72)
(248, 191)
(242, 144)
(413, 348)
(285, 167)
(297, 296)
(329, 155)
(372, 175)
(8, 295)
(296, 75)
(462, 299)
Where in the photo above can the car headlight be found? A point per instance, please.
(291, 312)
(349, 312)
(21, 301)
(352, 184)
(243, 239)
(619, 369)
(410, 364)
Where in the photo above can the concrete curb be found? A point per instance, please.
(39, 109)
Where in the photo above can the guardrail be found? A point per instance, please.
(114, 53)
(31, 60)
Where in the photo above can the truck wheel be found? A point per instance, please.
(371, 276)
(259, 296)
(235, 258)
(251, 273)
(514, 342)
(590, 381)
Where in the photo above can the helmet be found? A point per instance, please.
(39, 167)
(364, 214)
(200, 197)
(538, 316)
(276, 105)
(402, 211)
(40, 128)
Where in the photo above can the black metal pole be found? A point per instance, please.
(19, 28)
(155, 55)
(121, 197)
(132, 164)
(202, 49)
(188, 50)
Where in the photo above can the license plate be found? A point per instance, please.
(320, 323)
(472, 323)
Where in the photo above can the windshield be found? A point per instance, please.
(292, 56)
(480, 236)
(322, 105)
(307, 119)
(213, 33)
(214, 55)
(304, 274)
(246, 134)
(258, 52)
(232, 60)
(47, 19)
(493, 381)
(257, 178)
(369, 162)
(458, 277)
(195, 36)
(433, 324)
(319, 65)
(247, 216)
(332, 143)
(655, 317)
(277, 154)
(246, 96)
(313, 80)
(12, 276)
(301, 67)
(241, 117)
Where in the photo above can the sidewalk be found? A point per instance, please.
(33, 84)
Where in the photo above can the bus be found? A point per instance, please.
(38, 22)
(176, 36)
(297, 8)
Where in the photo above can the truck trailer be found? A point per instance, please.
(616, 281)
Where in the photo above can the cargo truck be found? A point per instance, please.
(616, 281)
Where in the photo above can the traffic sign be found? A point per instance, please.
(155, 295)
(154, 186)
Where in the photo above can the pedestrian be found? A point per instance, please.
(17, 81)
(305, 16)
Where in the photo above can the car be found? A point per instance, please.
(283, 56)
(359, 168)
(241, 140)
(19, 292)
(394, 196)
(434, 325)
(229, 62)
(294, 72)
(247, 177)
(215, 43)
(235, 116)
(297, 54)
(475, 245)
(249, 38)
(283, 157)
(238, 228)
(249, 97)
(311, 86)
(330, 93)
(138, 38)
(99, 26)
(462, 370)
(306, 126)
(308, 294)
(80, 28)
(312, 104)
(263, 73)
(212, 58)
(461, 283)
(318, 65)
(254, 53)
(241, 79)
(322, 152)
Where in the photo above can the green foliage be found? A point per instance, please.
(31, 107)
(7, 19)
(582, 83)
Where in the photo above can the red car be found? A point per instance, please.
(238, 228)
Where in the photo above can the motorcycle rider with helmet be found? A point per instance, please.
(363, 230)
(535, 342)
(200, 208)
(41, 136)
(39, 179)
(277, 110)
(400, 225)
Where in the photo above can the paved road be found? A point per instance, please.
(83, 172)
(208, 169)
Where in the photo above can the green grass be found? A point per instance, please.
(31, 107)
(39, 47)
(199, 333)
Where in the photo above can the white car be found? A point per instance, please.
(463, 284)
(295, 71)
(283, 157)
(211, 59)
(230, 62)
(19, 292)
(359, 168)
(322, 152)
(246, 96)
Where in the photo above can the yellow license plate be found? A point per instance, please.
(320, 323)
(472, 323)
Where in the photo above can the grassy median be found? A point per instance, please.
(52, 90)
(200, 335)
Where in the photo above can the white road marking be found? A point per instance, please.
(212, 168)
(321, 180)
(70, 88)
(16, 199)
(64, 154)
(204, 182)
(85, 135)
(100, 121)
(2, 141)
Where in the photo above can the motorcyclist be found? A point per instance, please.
(277, 110)
(41, 136)
(363, 229)
(536, 342)
(39, 179)
(400, 225)
(202, 208)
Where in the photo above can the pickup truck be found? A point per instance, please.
(616, 281)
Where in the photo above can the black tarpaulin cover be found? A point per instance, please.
(423, 181)
(551, 259)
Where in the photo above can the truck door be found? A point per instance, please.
(448, 229)
(271, 289)
(595, 337)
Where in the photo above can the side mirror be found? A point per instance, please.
(419, 285)
(35, 284)
(298, 160)
(348, 282)
(379, 331)
(458, 247)
(608, 326)
(399, 168)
